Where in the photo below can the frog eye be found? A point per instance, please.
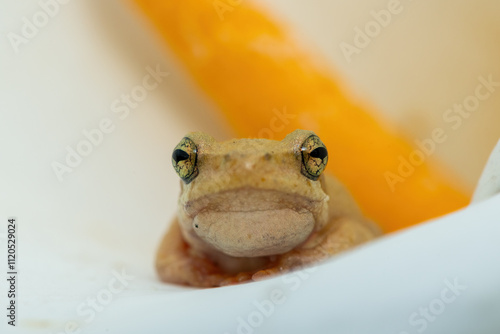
(314, 157)
(184, 160)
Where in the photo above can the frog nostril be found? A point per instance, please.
(249, 165)
(195, 225)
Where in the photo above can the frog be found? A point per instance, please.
(254, 208)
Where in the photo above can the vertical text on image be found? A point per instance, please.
(12, 271)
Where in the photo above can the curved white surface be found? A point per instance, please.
(440, 277)
(489, 182)
(107, 215)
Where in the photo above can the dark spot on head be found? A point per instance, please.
(267, 156)
(196, 225)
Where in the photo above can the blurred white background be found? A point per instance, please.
(111, 209)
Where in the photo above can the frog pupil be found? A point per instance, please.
(180, 155)
(319, 152)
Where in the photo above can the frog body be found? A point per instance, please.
(253, 208)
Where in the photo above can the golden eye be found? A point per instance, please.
(184, 160)
(314, 157)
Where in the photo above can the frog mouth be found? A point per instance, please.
(255, 233)
(253, 223)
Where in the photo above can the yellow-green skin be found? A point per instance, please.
(252, 210)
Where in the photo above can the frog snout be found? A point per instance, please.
(256, 233)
